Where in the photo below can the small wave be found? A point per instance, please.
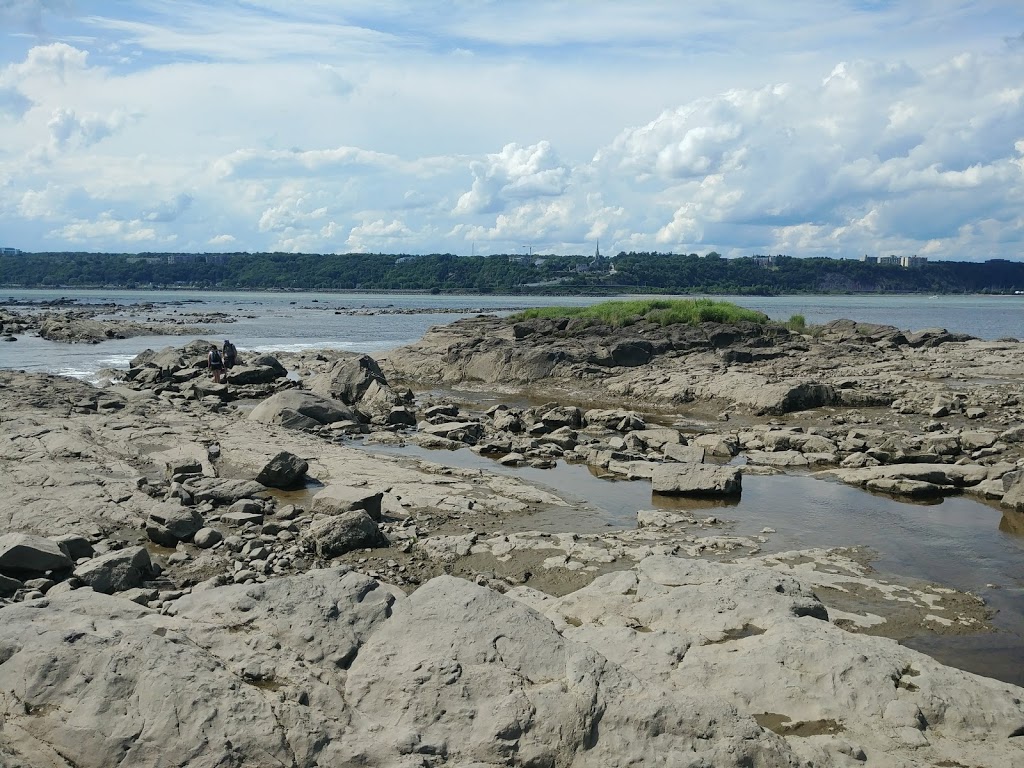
(116, 361)
(298, 347)
(78, 373)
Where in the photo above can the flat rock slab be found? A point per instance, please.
(952, 475)
(696, 480)
(239, 519)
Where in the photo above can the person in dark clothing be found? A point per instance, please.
(216, 363)
(230, 354)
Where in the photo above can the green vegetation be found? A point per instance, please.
(627, 273)
(661, 311)
(797, 323)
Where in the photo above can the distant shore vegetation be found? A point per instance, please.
(511, 274)
(663, 312)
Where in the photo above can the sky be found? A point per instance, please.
(831, 128)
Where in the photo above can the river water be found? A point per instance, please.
(959, 542)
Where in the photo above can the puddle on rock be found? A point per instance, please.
(958, 542)
(782, 725)
(747, 630)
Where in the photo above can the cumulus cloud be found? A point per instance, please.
(56, 61)
(105, 230)
(379, 235)
(292, 211)
(170, 210)
(222, 240)
(512, 174)
(66, 128)
(252, 163)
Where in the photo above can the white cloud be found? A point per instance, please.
(290, 213)
(66, 128)
(105, 230)
(56, 61)
(860, 128)
(287, 164)
(514, 173)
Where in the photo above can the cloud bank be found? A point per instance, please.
(826, 129)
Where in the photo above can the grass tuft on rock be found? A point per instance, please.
(661, 311)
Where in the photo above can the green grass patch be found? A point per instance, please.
(661, 311)
(797, 323)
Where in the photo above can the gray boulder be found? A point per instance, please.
(563, 416)
(169, 359)
(25, 553)
(243, 375)
(319, 410)
(170, 522)
(401, 416)
(285, 470)
(683, 453)
(463, 431)
(353, 380)
(207, 537)
(204, 387)
(696, 480)
(9, 586)
(269, 361)
(221, 491)
(339, 499)
(74, 545)
(338, 534)
(116, 571)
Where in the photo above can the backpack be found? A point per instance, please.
(214, 357)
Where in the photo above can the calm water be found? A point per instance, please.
(267, 322)
(958, 542)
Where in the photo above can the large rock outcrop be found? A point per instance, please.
(303, 410)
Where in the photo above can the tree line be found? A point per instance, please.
(633, 272)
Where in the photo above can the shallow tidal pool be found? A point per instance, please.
(958, 542)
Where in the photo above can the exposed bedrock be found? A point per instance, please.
(764, 369)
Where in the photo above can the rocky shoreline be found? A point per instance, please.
(217, 566)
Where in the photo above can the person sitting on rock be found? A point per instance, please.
(216, 363)
(230, 355)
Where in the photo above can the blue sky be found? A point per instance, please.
(810, 127)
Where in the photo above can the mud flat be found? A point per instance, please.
(211, 574)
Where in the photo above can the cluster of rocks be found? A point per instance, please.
(184, 372)
(82, 325)
(765, 369)
(876, 406)
(178, 547)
